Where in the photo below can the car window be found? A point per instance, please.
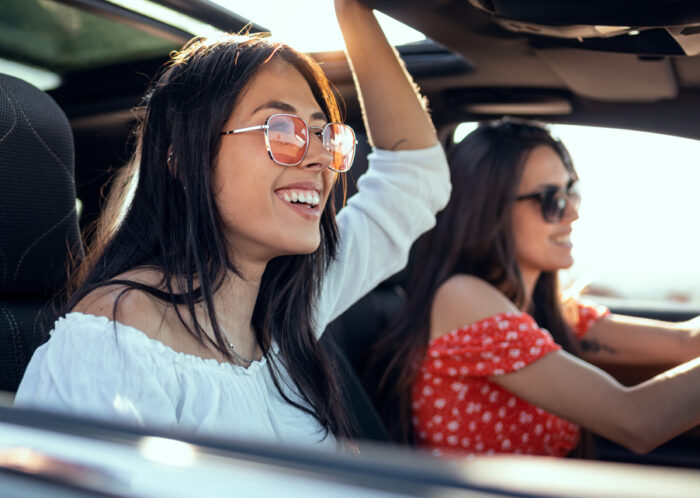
(635, 242)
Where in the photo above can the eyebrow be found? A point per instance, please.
(545, 186)
(288, 108)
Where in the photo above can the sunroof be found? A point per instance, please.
(310, 25)
(60, 38)
(41, 40)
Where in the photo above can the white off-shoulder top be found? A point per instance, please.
(95, 367)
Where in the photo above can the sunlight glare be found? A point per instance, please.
(167, 451)
(462, 130)
(39, 77)
(169, 16)
(310, 26)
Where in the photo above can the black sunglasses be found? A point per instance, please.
(554, 201)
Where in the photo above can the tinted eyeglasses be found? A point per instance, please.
(554, 201)
(287, 140)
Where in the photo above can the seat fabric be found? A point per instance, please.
(38, 219)
(350, 337)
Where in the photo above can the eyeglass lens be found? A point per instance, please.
(288, 138)
(339, 139)
(555, 202)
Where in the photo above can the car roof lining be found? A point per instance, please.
(642, 92)
(610, 76)
(503, 62)
(687, 72)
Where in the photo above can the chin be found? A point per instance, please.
(300, 247)
(308, 250)
(565, 264)
(556, 264)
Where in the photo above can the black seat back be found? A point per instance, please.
(38, 219)
(350, 338)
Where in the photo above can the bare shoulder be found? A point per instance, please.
(135, 308)
(465, 299)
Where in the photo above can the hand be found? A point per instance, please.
(692, 329)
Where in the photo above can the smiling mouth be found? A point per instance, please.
(305, 200)
(562, 240)
(308, 198)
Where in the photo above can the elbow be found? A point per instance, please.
(442, 188)
(447, 194)
(638, 435)
(446, 187)
(640, 447)
(635, 441)
(633, 426)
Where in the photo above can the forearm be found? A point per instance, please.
(625, 339)
(394, 114)
(640, 417)
(668, 405)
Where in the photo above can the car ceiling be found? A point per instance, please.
(643, 82)
(471, 68)
(639, 82)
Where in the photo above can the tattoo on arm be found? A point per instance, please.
(393, 147)
(593, 346)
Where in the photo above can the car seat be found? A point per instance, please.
(353, 334)
(38, 219)
(349, 338)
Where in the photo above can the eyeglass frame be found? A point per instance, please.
(265, 127)
(571, 197)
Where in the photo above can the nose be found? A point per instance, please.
(571, 211)
(318, 157)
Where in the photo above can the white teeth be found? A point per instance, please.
(305, 197)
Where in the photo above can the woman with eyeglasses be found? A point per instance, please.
(220, 259)
(485, 357)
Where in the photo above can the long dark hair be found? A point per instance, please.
(162, 216)
(473, 235)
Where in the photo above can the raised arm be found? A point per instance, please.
(407, 181)
(394, 114)
(639, 417)
(627, 339)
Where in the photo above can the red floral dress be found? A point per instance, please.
(456, 410)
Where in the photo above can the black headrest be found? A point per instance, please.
(38, 219)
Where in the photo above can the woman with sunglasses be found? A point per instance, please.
(495, 362)
(220, 259)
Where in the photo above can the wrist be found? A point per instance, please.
(346, 7)
(689, 332)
